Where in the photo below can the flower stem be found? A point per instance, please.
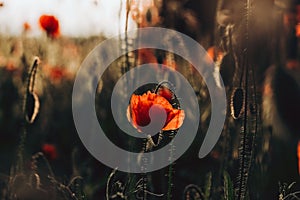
(171, 166)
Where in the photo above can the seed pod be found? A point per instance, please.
(237, 103)
(227, 68)
(32, 103)
(32, 107)
(149, 16)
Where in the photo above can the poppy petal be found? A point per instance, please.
(176, 122)
(138, 111)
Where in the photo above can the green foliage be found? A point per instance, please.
(228, 187)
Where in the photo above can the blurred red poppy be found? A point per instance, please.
(297, 28)
(292, 64)
(10, 66)
(50, 24)
(26, 26)
(214, 54)
(138, 111)
(298, 155)
(146, 56)
(50, 151)
(57, 73)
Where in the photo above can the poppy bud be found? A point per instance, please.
(166, 93)
(50, 151)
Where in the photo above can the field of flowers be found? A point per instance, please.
(256, 157)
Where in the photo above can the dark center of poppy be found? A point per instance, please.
(154, 121)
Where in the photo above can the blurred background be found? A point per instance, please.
(253, 44)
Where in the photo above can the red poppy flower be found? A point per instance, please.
(297, 28)
(293, 64)
(50, 24)
(57, 73)
(26, 26)
(10, 66)
(138, 111)
(298, 155)
(146, 56)
(50, 151)
(215, 54)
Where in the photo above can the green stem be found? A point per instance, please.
(29, 88)
(171, 168)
